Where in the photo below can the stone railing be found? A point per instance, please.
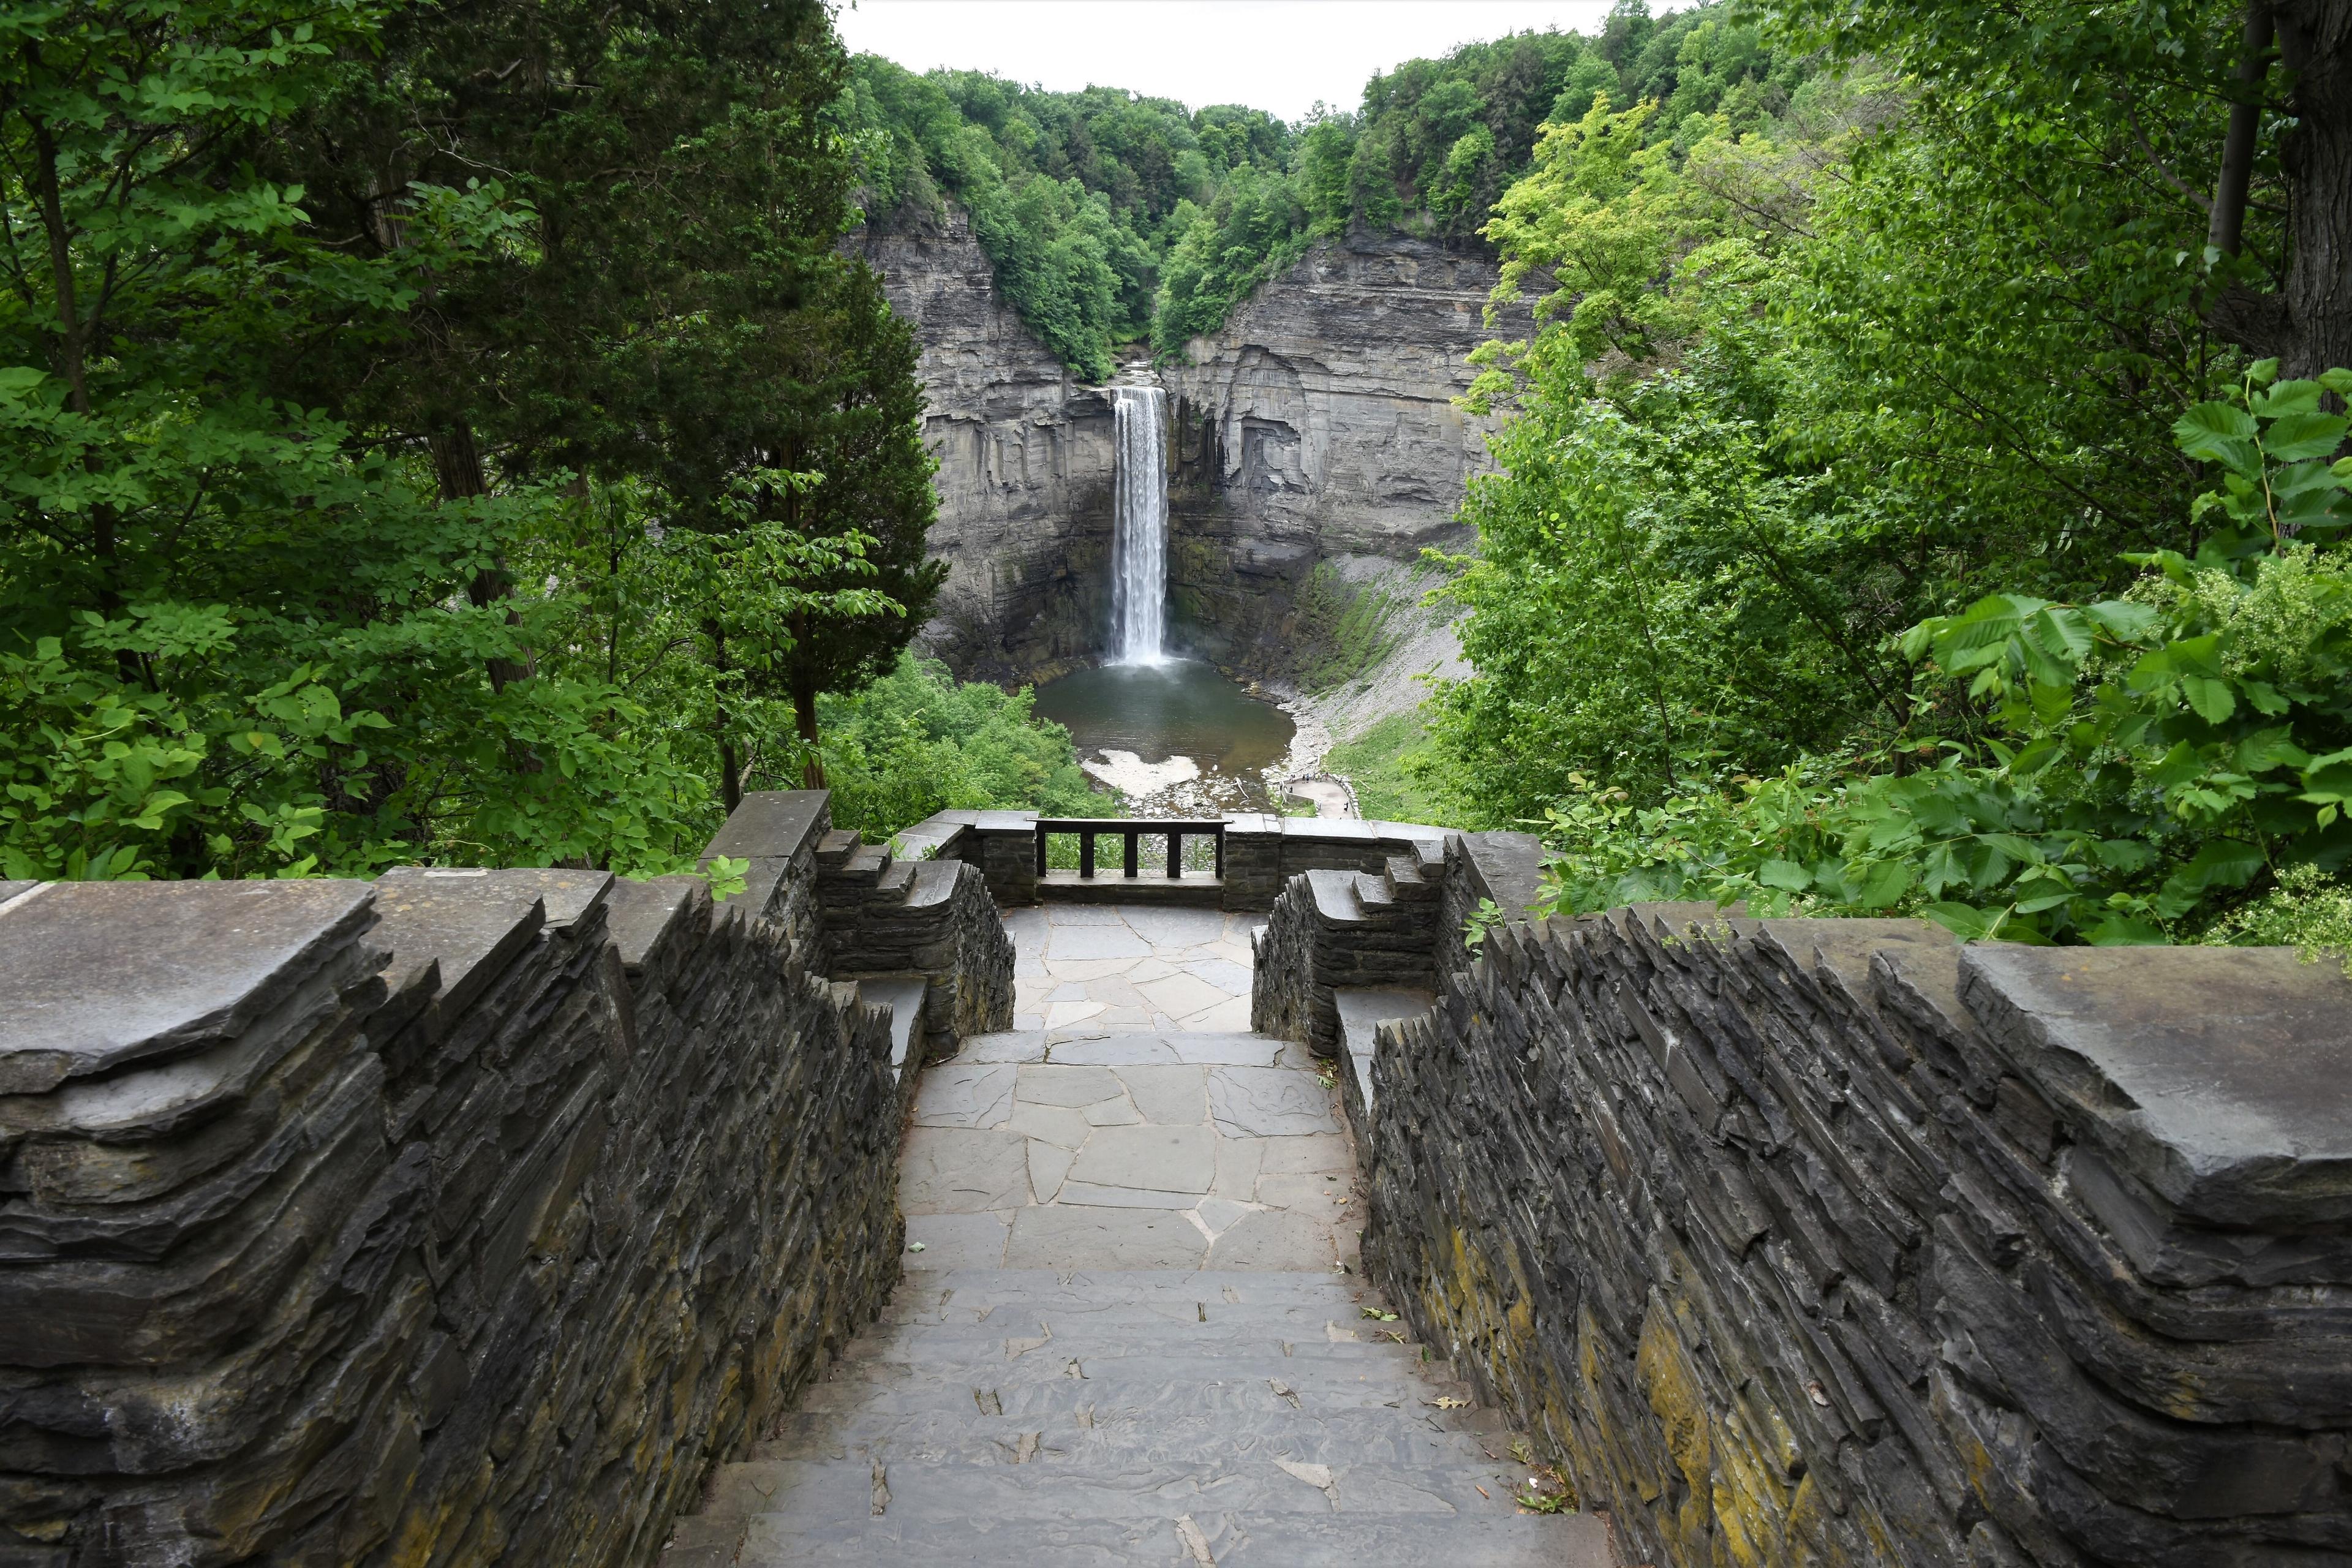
(1833, 1241)
(461, 1217)
(1260, 853)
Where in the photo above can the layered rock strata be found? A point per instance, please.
(1831, 1241)
(466, 1217)
(1025, 463)
(1319, 422)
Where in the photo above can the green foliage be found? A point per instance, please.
(1807, 380)
(1343, 630)
(2148, 758)
(354, 509)
(1111, 220)
(1397, 778)
(2308, 911)
(917, 741)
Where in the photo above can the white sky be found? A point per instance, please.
(1280, 56)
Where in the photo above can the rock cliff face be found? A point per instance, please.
(1024, 452)
(1318, 423)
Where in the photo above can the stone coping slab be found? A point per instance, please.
(97, 975)
(2220, 1077)
(770, 823)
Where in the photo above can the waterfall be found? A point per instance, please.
(1138, 526)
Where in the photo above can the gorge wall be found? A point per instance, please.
(1318, 423)
(1025, 456)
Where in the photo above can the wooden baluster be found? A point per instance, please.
(1132, 836)
(1175, 854)
(1221, 854)
(1040, 854)
(1085, 854)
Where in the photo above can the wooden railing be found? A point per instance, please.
(1132, 832)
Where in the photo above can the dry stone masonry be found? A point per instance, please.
(473, 1217)
(466, 1217)
(1831, 1241)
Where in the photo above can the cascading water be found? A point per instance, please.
(1138, 526)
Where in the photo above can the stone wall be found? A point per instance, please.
(1339, 930)
(1824, 1242)
(928, 916)
(464, 1217)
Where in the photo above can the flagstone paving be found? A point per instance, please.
(1125, 967)
(1133, 1328)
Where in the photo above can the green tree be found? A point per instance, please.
(1325, 156)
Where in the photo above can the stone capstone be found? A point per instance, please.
(465, 1217)
(1831, 1241)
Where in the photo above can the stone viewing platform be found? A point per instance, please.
(907, 1202)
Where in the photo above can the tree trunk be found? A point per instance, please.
(70, 358)
(2308, 324)
(2225, 234)
(805, 704)
(2315, 44)
(731, 766)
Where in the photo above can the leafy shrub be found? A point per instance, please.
(2152, 760)
(918, 740)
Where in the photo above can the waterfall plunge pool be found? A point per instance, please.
(1173, 737)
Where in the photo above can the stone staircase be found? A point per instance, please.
(1336, 931)
(1269, 1412)
(921, 934)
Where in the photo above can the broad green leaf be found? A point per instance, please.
(1785, 874)
(2297, 437)
(2122, 619)
(2210, 698)
(2116, 930)
(1883, 885)
(1963, 920)
(2288, 398)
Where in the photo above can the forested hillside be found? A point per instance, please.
(437, 433)
(1929, 498)
(1115, 221)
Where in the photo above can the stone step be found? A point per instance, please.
(1389, 1366)
(1408, 883)
(1228, 1540)
(1048, 1291)
(837, 845)
(1253, 1348)
(903, 995)
(1335, 897)
(794, 1497)
(1375, 895)
(1114, 1437)
(1362, 1009)
(897, 877)
(934, 882)
(1185, 1387)
(1079, 1045)
(1290, 1318)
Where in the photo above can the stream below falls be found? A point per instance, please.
(1175, 737)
